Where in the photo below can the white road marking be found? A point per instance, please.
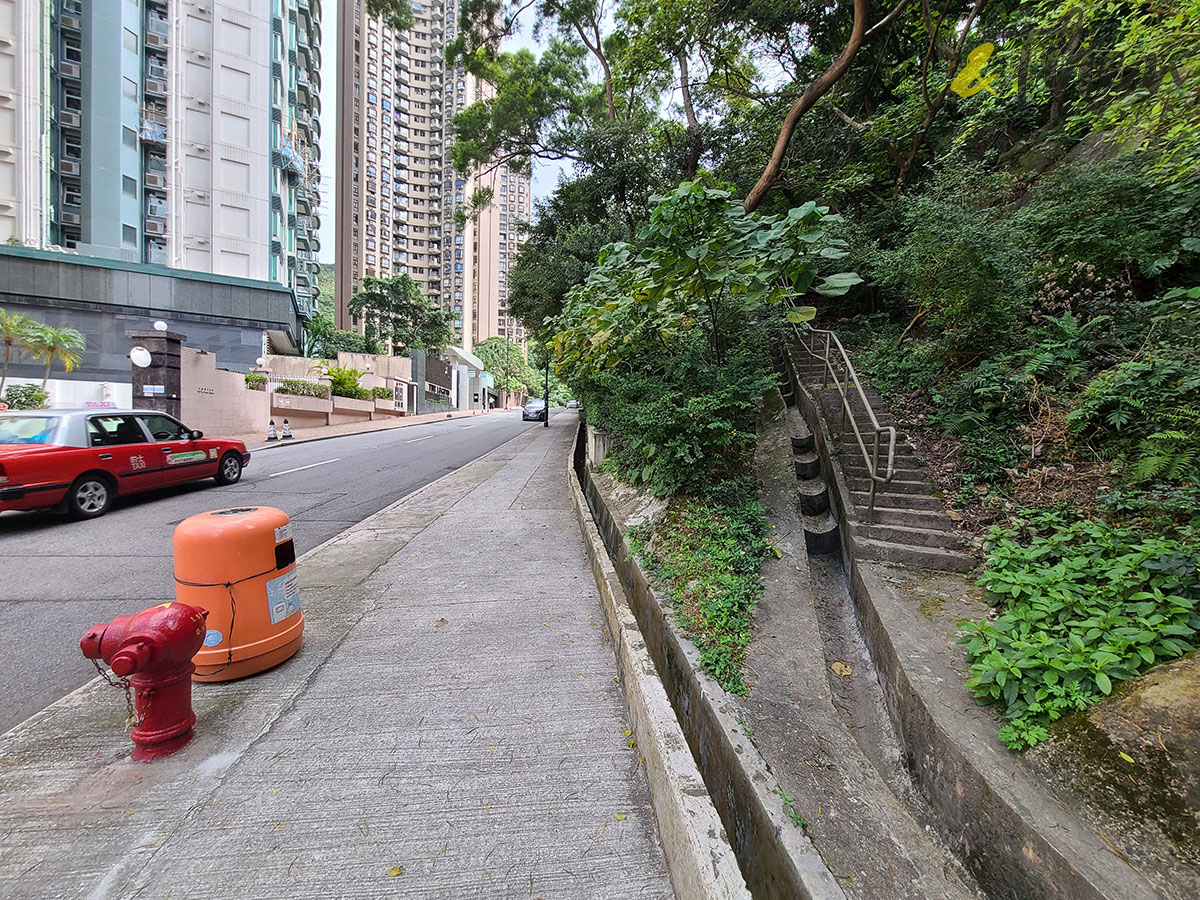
(414, 440)
(302, 468)
(465, 427)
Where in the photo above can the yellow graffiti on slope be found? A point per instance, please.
(967, 83)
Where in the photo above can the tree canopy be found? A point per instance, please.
(393, 310)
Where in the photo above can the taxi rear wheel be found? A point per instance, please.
(229, 470)
(90, 496)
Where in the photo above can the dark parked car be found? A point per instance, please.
(534, 411)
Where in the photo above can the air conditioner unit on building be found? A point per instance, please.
(69, 118)
(153, 227)
(156, 40)
(156, 181)
(67, 167)
(70, 218)
(69, 69)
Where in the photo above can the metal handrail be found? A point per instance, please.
(830, 343)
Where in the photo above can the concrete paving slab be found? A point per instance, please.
(451, 728)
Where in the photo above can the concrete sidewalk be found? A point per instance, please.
(255, 442)
(452, 728)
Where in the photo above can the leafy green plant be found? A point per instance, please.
(343, 382)
(25, 396)
(1146, 409)
(708, 555)
(299, 388)
(256, 381)
(382, 393)
(1086, 605)
(1064, 348)
(789, 805)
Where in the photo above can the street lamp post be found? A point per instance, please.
(546, 424)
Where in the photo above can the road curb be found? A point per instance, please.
(700, 858)
(295, 442)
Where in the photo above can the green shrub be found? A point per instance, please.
(343, 382)
(25, 396)
(986, 453)
(1146, 409)
(690, 428)
(255, 381)
(298, 388)
(1086, 605)
(709, 556)
(382, 393)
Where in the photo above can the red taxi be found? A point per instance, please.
(80, 460)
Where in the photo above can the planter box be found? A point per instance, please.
(349, 405)
(301, 412)
(347, 410)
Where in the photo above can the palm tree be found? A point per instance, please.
(15, 329)
(48, 343)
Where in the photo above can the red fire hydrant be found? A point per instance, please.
(154, 650)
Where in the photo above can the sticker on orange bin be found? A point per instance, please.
(283, 596)
(283, 533)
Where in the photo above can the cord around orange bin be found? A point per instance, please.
(240, 565)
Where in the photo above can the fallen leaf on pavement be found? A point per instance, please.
(840, 668)
(620, 817)
(439, 623)
(395, 870)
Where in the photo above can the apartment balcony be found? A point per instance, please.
(153, 131)
(289, 159)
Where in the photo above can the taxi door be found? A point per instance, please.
(181, 458)
(118, 445)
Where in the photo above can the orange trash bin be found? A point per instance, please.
(240, 565)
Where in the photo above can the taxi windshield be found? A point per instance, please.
(27, 429)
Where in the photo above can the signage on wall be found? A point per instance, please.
(149, 390)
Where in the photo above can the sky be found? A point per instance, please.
(545, 175)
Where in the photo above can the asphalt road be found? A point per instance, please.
(61, 577)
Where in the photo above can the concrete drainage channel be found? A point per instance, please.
(776, 859)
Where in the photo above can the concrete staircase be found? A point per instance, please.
(909, 524)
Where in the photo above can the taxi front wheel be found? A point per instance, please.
(230, 469)
(90, 496)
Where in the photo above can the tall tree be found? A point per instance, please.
(395, 310)
(15, 329)
(506, 362)
(50, 344)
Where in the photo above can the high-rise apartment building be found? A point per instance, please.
(499, 236)
(174, 132)
(398, 192)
